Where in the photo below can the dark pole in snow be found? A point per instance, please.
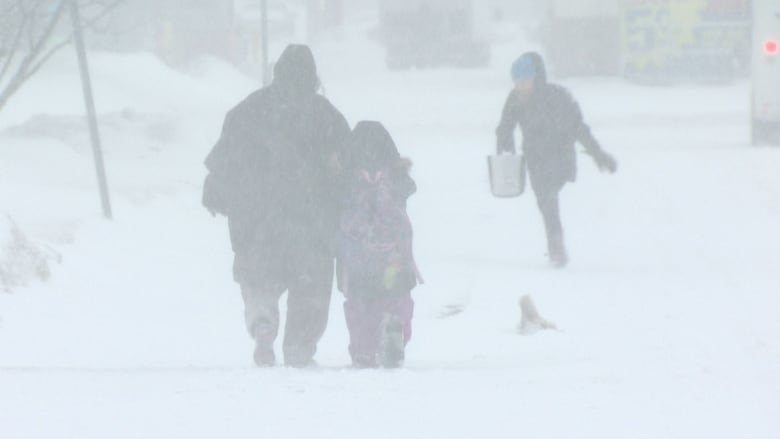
(264, 25)
(78, 38)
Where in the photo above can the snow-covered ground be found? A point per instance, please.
(668, 315)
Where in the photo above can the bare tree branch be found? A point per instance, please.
(28, 13)
(38, 53)
(14, 47)
(12, 53)
(33, 69)
(44, 38)
(92, 22)
(87, 25)
(21, 73)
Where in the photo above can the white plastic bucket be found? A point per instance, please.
(507, 175)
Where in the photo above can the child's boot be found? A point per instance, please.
(391, 350)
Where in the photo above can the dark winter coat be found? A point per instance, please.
(376, 174)
(274, 170)
(551, 122)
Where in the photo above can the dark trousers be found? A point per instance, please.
(547, 200)
(364, 317)
(309, 282)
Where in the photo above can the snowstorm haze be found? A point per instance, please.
(642, 249)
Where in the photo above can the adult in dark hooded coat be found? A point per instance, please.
(551, 122)
(274, 173)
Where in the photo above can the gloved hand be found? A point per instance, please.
(605, 162)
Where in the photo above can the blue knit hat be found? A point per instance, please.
(523, 68)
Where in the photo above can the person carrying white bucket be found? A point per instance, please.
(551, 123)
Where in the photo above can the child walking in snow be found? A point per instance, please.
(375, 266)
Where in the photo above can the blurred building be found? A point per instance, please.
(685, 39)
(658, 41)
(583, 38)
(422, 33)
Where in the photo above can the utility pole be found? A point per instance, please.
(78, 38)
(264, 37)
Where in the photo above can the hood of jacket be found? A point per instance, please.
(296, 70)
(371, 146)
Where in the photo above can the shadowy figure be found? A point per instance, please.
(551, 122)
(274, 173)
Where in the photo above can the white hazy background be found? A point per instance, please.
(668, 314)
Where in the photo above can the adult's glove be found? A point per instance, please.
(605, 162)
